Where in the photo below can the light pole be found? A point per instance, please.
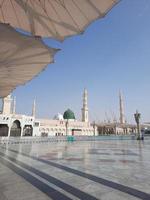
(94, 127)
(67, 127)
(137, 117)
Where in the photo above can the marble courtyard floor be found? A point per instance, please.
(89, 170)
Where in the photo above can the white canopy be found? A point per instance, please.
(53, 18)
(21, 58)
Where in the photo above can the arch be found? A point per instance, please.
(3, 130)
(43, 134)
(27, 130)
(15, 130)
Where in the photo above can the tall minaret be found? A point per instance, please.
(121, 107)
(85, 112)
(7, 105)
(14, 105)
(34, 108)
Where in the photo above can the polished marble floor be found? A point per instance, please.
(89, 170)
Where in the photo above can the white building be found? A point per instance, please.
(12, 124)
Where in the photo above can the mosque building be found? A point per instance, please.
(12, 124)
(120, 127)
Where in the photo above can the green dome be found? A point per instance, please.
(68, 114)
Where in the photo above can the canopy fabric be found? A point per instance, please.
(57, 19)
(21, 58)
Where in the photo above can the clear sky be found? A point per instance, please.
(112, 54)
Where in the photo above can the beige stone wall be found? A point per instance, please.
(62, 127)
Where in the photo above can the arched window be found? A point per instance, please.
(15, 129)
(27, 130)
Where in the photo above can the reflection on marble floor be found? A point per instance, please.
(105, 170)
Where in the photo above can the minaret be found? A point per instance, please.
(122, 116)
(6, 110)
(14, 106)
(85, 113)
(34, 108)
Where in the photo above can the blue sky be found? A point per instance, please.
(113, 54)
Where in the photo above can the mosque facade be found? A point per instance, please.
(12, 124)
